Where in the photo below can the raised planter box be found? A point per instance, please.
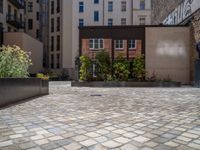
(18, 89)
(124, 84)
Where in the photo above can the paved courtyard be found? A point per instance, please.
(104, 118)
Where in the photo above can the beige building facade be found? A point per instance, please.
(72, 14)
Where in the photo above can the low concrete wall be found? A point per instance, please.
(124, 84)
(168, 53)
(18, 89)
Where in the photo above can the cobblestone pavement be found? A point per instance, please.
(104, 118)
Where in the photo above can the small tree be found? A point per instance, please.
(85, 74)
(103, 65)
(14, 62)
(121, 69)
(139, 68)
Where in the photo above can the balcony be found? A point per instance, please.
(20, 4)
(15, 21)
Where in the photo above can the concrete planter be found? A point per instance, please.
(124, 84)
(18, 89)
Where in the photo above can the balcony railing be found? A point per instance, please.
(15, 21)
(20, 4)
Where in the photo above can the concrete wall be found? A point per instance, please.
(28, 44)
(168, 53)
(18, 89)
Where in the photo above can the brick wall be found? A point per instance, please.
(161, 8)
(132, 53)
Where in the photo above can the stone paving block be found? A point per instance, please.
(129, 147)
(111, 144)
(6, 143)
(27, 145)
(73, 146)
(101, 139)
(41, 142)
(55, 138)
(129, 135)
(190, 135)
(37, 137)
(88, 143)
(141, 139)
(92, 134)
(119, 131)
(172, 144)
(122, 140)
(194, 145)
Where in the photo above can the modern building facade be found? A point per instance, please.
(66, 16)
(180, 12)
(12, 24)
(165, 56)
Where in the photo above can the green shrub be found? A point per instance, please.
(85, 73)
(121, 69)
(14, 62)
(42, 76)
(139, 68)
(103, 65)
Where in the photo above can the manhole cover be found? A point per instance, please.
(96, 95)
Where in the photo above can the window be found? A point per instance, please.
(58, 43)
(37, 33)
(37, 1)
(96, 44)
(52, 25)
(142, 4)
(30, 6)
(37, 16)
(81, 22)
(52, 61)
(96, 16)
(123, 6)
(132, 44)
(142, 21)
(81, 7)
(123, 21)
(110, 22)
(96, 1)
(119, 44)
(1, 6)
(30, 24)
(58, 61)
(52, 43)
(52, 7)
(58, 24)
(58, 6)
(110, 6)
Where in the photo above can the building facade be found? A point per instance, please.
(66, 16)
(13, 27)
(180, 12)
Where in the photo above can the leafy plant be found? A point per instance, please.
(85, 74)
(42, 76)
(14, 62)
(121, 69)
(103, 65)
(139, 68)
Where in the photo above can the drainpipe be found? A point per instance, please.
(103, 11)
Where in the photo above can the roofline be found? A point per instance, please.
(129, 26)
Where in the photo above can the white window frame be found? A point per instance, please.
(123, 21)
(117, 45)
(131, 44)
(98, 43)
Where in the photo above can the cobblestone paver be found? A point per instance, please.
(104, 118)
